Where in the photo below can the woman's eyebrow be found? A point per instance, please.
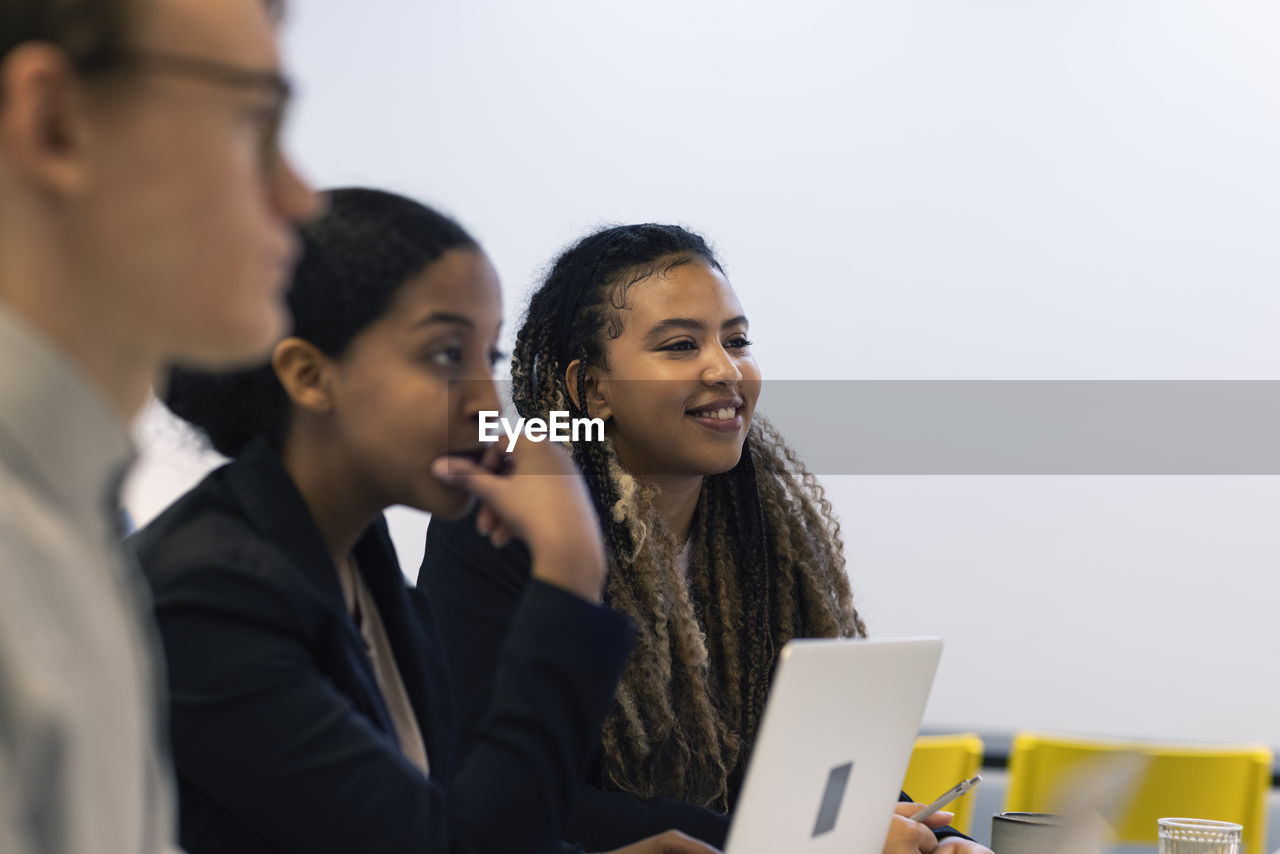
(446, 317)
(688, 324)
(672, 324)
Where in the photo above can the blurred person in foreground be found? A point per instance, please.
(145, 217)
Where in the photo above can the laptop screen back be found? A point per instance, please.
(833, 746)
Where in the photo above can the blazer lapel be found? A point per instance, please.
(278, 512)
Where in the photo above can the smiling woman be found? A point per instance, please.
(678, 379)
(721, 545)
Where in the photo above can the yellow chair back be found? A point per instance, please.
(938, 763)
(1221, 782)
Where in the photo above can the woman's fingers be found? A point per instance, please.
(542, 499)
(941, 818)
(909, 837)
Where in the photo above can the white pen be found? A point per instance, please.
(947, 797)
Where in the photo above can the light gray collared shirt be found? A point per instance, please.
(81, 766)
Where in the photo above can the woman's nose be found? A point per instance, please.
(723, 368)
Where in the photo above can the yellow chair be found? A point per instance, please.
(1222, 782)
(938, 763)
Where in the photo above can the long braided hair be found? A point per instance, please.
(767, 563)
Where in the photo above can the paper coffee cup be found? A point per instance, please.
(1028, 833)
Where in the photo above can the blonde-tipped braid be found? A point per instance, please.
(767, 564)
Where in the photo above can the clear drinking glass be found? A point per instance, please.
(1198, 836)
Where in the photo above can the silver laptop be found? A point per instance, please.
(833, 746)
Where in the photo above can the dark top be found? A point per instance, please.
(476, 590)
(281, 738)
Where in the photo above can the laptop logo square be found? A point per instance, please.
(832, 797)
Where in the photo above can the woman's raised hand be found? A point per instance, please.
(537, 494)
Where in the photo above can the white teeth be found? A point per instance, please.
(722, 414)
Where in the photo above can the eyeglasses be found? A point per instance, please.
(270, 83)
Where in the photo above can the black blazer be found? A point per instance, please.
(281, 739)
(476, 589)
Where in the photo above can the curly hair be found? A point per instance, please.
(767, 564)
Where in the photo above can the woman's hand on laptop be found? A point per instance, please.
(671, 842)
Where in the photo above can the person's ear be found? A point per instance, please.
(45, 129)
(304, 372)
(597, 397)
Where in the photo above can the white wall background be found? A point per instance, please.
(901, 189)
